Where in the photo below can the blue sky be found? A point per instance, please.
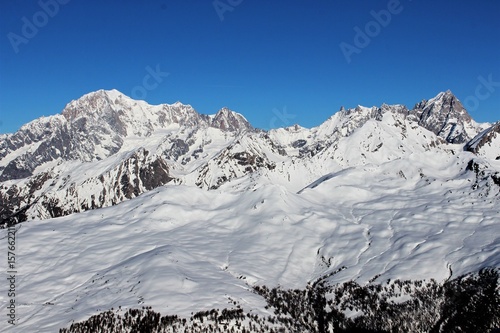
(277, 62)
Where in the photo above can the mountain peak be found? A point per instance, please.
(92, 103)
(443, 96)
(228, 120)
(445, 116)
(113, 94)
(104, 93)
(179, 103)
(446, 93)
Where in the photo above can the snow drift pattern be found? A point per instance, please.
(132, 205)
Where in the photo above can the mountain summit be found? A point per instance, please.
(95, 127)
(228, 120)
(445, 116)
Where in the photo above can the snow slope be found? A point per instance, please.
(182, 249)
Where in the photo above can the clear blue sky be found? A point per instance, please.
(266, 59)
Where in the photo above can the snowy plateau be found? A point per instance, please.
(132, 217)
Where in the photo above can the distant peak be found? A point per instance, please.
(96, 102)
(225, 110)
(446, 117)
(181, 105)
(229, 120)
(110, 92)
(443, 95)
(294, 128)
(114, 92)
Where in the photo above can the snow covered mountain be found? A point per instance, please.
(161, 206)
(73, 161)
(445, 116)
(95, 127)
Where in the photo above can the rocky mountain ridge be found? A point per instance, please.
(106, 147)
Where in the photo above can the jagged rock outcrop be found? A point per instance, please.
(228, 120)
(445, 116)
(486, 143)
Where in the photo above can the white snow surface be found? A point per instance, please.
(182, 249)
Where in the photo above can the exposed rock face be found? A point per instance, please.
(133, 176)
(228, 120)
(445, 116)
(486, 143)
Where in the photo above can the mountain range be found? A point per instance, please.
(119, 203)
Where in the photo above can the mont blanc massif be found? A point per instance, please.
(130, 217)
